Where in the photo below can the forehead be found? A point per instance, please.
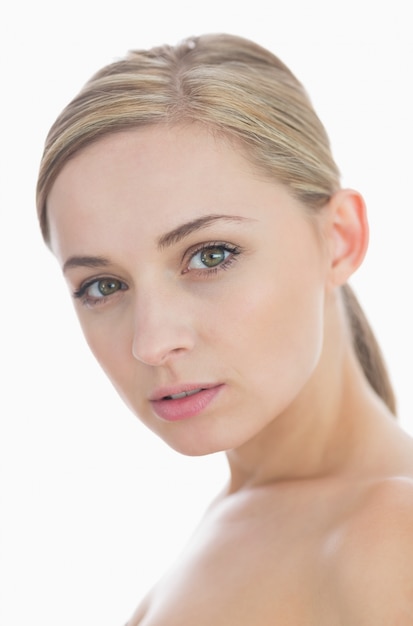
(157, 177)
(154, 154)
(159, 150)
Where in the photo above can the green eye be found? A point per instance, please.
(211, 257)
(98, 291)
(108, 286)
(215, 256)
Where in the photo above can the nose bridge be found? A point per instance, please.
(161, 325)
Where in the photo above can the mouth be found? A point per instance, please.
(182, 394)
(181, 403)
(177, 392)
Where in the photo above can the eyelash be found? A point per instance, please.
(233, 250)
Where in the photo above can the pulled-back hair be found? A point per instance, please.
(237, 89)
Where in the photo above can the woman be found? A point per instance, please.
(191, 198)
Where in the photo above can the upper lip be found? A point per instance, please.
(163, 392)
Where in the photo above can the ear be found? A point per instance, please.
(348, 235)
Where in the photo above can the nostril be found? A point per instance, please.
(152, 351)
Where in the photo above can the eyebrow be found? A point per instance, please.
(179, 233)
(85, 261)
(168, 239)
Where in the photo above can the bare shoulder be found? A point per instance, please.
(372, 557)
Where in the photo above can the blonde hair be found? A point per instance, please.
(235, 88)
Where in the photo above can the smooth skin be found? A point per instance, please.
(191, 269)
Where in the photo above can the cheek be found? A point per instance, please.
(110, 343)
(112, 348)
(274, 331)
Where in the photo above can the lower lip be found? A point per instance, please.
(183, 408)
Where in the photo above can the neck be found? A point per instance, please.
(319, 434)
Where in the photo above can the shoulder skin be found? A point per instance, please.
(372, 558)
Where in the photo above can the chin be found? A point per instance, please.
(191, 440)
(194, 447)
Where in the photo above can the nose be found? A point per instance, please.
(162, 329)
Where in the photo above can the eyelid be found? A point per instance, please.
(205, 245)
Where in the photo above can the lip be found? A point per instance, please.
(173, 410)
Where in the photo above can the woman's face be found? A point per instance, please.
(199, 285)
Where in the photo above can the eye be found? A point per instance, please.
(97, 291)
(103, 287)
(209, 257)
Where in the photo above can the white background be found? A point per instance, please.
(93, 507)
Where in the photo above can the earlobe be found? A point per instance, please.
(349, 234)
